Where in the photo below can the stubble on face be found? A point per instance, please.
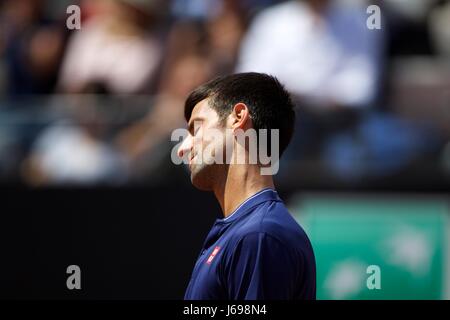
(205, 173)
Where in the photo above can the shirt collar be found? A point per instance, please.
(263, 195)
(221, 225)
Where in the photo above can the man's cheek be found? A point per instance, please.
(197, 142)
(212, 148)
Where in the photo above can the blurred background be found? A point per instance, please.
(86, 116)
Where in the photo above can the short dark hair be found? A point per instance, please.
(269, 103)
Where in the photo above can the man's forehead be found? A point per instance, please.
(201, 108)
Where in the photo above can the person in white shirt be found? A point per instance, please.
(321, 49)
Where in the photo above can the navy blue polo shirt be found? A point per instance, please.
(258, 252)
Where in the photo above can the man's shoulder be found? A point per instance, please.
(273, 221)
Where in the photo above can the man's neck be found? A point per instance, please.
(240, 183)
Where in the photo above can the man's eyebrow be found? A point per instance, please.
(191, 123)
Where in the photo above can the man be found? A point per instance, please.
(257, 251)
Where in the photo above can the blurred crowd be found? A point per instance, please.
(97, 105)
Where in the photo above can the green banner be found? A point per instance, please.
(377, 247)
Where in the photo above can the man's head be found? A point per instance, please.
(239, 101)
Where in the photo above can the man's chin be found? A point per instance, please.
(200, 180)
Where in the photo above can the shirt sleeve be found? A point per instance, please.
(262, 268)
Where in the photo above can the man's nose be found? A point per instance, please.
(185, 147)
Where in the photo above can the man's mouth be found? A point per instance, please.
(191, 161)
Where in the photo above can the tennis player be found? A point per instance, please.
(257, 250)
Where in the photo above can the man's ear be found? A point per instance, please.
(241, 117)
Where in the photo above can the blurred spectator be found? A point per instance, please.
(208, 9)
(415, 10)
(3, 74)
(114, 48)
(65, 154)
(439, 24)
(380, 145)
(33, 46)
(321, 50)
(74, 149)
(225, 31)
(194, 9)
(408, 30)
